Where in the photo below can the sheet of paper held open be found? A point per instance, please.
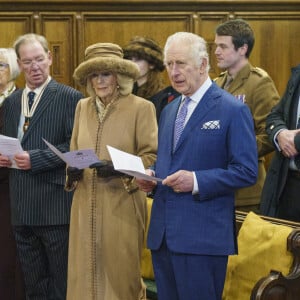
(80, 159)
(129, 164)
(10, 147)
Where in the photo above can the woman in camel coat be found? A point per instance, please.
(108, 212)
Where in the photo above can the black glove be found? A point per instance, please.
(105, 169)
(73, 176)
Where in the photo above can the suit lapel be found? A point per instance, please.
(16, 111)
(207, 103)
(170, 123)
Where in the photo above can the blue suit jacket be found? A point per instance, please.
(37, 195)
(224, 159)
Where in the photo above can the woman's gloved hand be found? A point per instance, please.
(105, 169)
(73, 176)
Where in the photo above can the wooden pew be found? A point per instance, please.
(274, 286)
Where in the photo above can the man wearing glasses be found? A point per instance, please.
(40, 206)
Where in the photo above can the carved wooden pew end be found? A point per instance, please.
(275, 286)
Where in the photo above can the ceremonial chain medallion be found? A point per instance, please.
(26, 124)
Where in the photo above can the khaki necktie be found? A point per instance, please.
(228, 82)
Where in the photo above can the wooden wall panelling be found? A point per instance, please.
(276, 40)
(150, 5)
(277, 43)
(119, 28)
(59, 29)
(206, 25)
(11, 26)
(72, 25)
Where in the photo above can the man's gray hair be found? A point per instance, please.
(29, 38)
(196, 43)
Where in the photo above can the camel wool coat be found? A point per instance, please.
(108, 215)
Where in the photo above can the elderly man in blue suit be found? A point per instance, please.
(40, 207)
(206, 151)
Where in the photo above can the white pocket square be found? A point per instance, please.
(214, 124)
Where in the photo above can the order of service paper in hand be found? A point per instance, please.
(129, 164)
(79, 159)
(10, 147)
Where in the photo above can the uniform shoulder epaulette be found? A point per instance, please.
(261, 72)
(220, 75)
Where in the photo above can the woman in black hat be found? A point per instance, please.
(147, 54)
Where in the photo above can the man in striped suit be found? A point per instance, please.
(40, 206)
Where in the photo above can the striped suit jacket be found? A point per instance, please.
(37, 195)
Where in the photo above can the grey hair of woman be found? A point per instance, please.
(10, 56)
(196, 44)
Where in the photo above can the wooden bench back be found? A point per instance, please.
(275, 286)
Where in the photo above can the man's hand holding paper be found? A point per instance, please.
(10, 149)
(5, 161)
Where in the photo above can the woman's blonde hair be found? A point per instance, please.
(10, 56)
(125, 85)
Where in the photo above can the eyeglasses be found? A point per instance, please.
(3, 66)
(29, 63)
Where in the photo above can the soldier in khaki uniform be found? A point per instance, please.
(234, 41)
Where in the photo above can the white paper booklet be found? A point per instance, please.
(10, 147)
(129, 164)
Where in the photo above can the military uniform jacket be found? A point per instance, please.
(255, 88)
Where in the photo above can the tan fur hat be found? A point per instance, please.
(102, 57)
(147, 49)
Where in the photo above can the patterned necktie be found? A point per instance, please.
(30, 99)
(297, 158)
(179, 122)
